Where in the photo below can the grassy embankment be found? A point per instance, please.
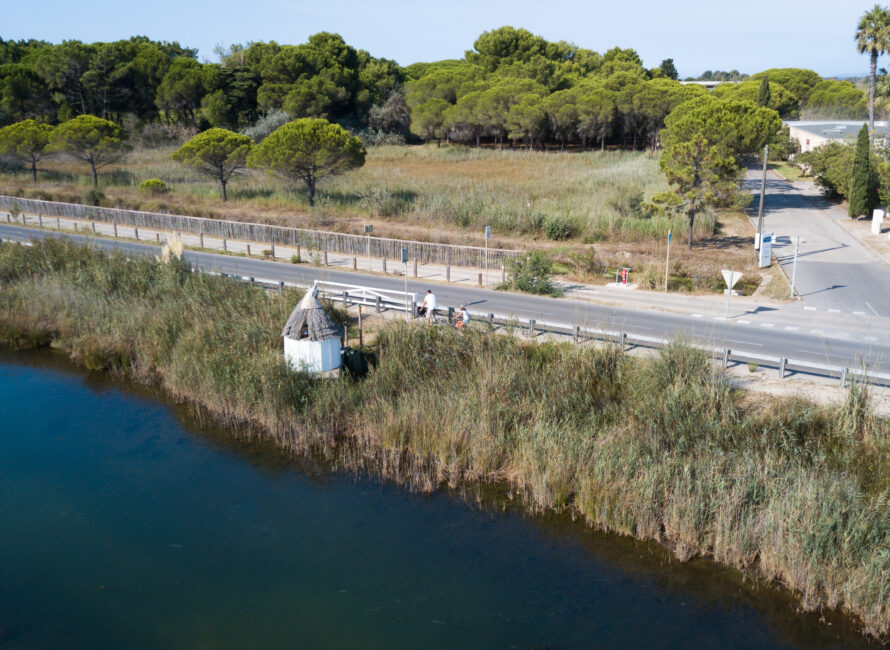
(449, 194)
(658, 448)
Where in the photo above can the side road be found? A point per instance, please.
(779, 333)
(835, 271)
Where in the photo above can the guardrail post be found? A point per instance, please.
(115, 228)
(377, 301)
(354, 263)
(843, 378)
(576, 334)
(450, 314)
(94, 224)
(201, 235)
(225, 247)
(272, 248)
(40, 220)
(448, 273)
(725, 358)
(480, 280)
(622, 341)
(252, 280)
(384, 266)
(415, 267)
(325, 256)
(280, 286)
(299, 254)
(531, 326)
(491, 321)
(58, 224)
(782, 363)
(158, 237)
(248, 250)
(346, 299)
(135, 233)
(8, 218)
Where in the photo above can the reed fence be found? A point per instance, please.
(335, 242)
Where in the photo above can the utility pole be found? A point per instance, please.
(762, 195)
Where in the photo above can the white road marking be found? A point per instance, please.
(767, 324)
(835, 311)
(809, 309)
(760, 345)
(791, 328)
(859, 313)
(743, 322)
(870, 339)
(697, 316)
(873, 309)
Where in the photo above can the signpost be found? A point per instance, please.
(405, 262)
(730, 277)
(757, 242)
(368, 230)
(766, 249)
(667, 261)
(794, 268)
(487, 237)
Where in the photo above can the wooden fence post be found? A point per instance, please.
(354, 263)
(272, 244)
(94, 227)
(202, 238)
(158, 237)
(480, 280)
(135, 233)
(384, 266)
(415, 267)
(40, 220)
(299, 255)
(325, 256)
(448, 273)
(379, 309)
(115, 228)
(503, 274)
(248, 250)
(58, 224)
(225, 248)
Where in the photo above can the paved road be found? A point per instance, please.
(815, 346)
(834, 270)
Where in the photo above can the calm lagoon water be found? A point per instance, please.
(126, 524)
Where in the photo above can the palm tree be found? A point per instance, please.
(873, 36)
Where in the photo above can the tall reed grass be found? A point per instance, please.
(659, 448)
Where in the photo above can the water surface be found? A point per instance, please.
(126, 524)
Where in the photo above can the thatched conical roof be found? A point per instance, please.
(309, 321)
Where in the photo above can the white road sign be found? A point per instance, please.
(731, 277)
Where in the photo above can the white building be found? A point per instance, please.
(813, 134)
(311, 338)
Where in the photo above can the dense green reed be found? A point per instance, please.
(660, 448)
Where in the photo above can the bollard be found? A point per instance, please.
(40, 220)
(725, 358)
(8, 218)
(450, 314)
(843, 378)
(346, 299)
(299, 255)
(58, 223)
(202, 239)
(280, 286)
(503, 274)
(94, 225)
(415, 267)
(158, 237)
(491, 321)
(248, 250)
(325, 256)
(448, 273)
(354, 264)
(224, 244)
(272, 248)
(115, 228)
(782, 363)
(384, 266)
(377, 301)
(622, 341)
(479, 283)
(576, 334)
(136, 233)
(531, 326)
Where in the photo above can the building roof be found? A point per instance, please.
(837, 129)
(309, 321)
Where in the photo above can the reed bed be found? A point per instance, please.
(660, 448)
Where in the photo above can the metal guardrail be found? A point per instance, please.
(335, 242)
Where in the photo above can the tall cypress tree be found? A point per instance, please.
(862, 195)
(763, 94)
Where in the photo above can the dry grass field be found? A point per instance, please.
(449, 194)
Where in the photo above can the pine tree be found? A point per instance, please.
(763, 94)
(862, 196)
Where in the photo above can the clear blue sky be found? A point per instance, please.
(698, 34)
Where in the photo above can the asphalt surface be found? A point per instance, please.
(849, 351)
(834, 270)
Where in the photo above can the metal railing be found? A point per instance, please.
(335, 242)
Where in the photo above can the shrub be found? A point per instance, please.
(558, 227)
(154, 186)
(532, 274)
(295, 259)
(266, 124)
(93, 197)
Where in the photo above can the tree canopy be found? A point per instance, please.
(27, 141)
(307, 150)
(91, 139)
(217, 153)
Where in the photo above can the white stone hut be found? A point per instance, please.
(311, 338)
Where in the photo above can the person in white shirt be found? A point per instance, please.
(463, 317)
(429, 306)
